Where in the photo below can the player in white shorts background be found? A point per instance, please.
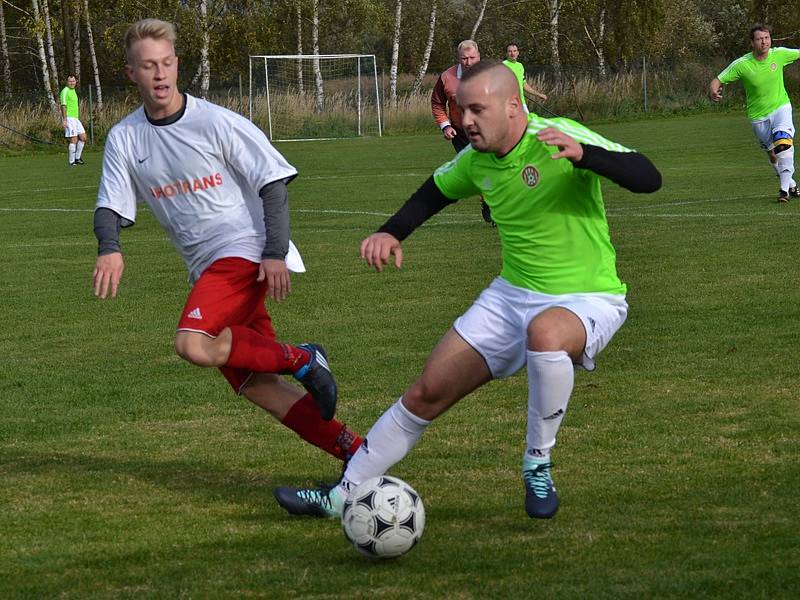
(555, 305)
(218, 187)
(768, 105)
(70, 121)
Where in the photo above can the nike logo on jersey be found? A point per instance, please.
(195, 314)
(141, 160)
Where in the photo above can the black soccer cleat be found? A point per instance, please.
(783, 197)
(79, 161)
(541, 499)
(322, 502)
(318, 380)
(794, 192)
(486, 213)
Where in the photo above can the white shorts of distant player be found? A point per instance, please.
(778, 120)
(496, 325)
(74, 128)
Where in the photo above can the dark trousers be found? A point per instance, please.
(460, 141)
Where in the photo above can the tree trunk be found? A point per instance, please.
(395, 54)
(48, 31)
(319, 94)
(37, 27)
(426, 56)
(69, 26)
(598, 46)
(478, 21)
(76, 38)
(205, 78)
(4, 52)
(555, 9)
(93, 55)
(299, 13)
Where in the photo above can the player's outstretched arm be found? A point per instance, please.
(715, 90)
(107, 274)
(377, 248)
(275, 200)
(568, 146)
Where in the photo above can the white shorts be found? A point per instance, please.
(496, 325)
(778, 120)
(74, 128)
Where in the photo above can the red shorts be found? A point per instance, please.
(226, 294)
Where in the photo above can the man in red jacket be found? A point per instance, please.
(445, 109)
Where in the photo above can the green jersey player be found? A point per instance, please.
(512, 62)
(556, 303)
(768, 105)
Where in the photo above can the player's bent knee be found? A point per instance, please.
(194, 348)
(782, 141)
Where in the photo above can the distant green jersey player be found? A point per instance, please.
(555, 305)
(70, 121)
(768, 105)
(512, 62)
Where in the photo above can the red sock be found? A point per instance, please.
(332, 436)
(254, 352)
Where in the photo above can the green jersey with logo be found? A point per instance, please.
(549, 214)
(762, 79)
(69, 98)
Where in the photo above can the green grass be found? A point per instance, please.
(127, 473)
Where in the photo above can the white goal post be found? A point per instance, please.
(314, 96)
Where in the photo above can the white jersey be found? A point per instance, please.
(200, 176)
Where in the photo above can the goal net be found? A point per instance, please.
(312, 97)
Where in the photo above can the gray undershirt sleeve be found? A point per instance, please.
(275, 198)
(107, 224)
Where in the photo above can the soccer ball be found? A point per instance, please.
(383, 517)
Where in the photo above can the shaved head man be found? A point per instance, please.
(555, 305)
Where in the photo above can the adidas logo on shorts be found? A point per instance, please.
(195, 314)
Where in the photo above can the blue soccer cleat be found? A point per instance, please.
(541, 499)
(318, 380)
(323, 502)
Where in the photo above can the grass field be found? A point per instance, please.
(127, 473)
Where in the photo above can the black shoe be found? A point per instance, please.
(79, 161)
(318, 380)
(73, 164)
(486, 213)
(794, 192)
(783, 197)
(322, 502)
(541, 499)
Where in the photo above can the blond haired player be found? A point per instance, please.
(218, 187)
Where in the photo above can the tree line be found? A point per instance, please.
(42, 41)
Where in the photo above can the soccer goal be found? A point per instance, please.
(313, 97)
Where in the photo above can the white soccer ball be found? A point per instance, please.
(383, 517)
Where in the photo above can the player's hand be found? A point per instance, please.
(715, 94)
(377, 248)
(543, 97)
(569, 148)
(279, 283)
(107, 273)
(449, 132)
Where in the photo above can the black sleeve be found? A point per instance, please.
(631, 170)
(423, 204)
(107, 224)
(275, 198)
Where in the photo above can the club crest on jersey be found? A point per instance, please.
(530, 176)
(773, 66)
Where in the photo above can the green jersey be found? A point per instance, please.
(762, 79)
(549, 214)
(519, 71)
(69, 98)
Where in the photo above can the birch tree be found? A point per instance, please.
(48, 31)
(37, 32)
(299, 15)
(69, 25)
(598, 41)
(554, 7)
(4, 53)
(426, 55)
(319, 94)
(205, 66)
(75, 7)
(398, 13)
(93, 55)
(479, 20)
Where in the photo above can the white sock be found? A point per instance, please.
(785, 168)
(550, 380)
(392, 436)
(79, 149)
(71, 153)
